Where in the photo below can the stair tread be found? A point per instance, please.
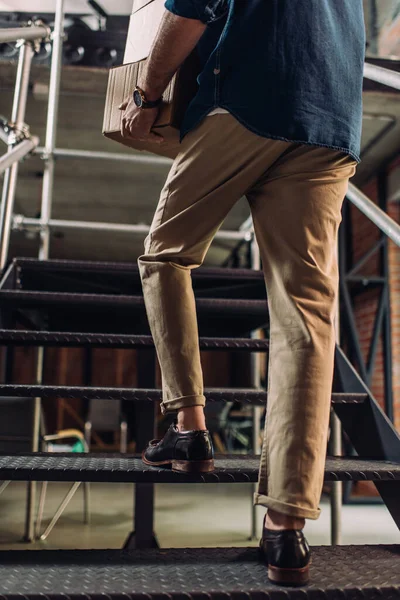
(128, 268)
(62, 338)
(247, 395)
(29, 297)
(370, 572)
(130, 468)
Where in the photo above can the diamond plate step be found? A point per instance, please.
(129, 468)
(249, 396)
(108, 340)
(130, 269)
(345, 572)
(103, 277)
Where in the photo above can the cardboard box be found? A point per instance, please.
(143, 26)
(144, 23)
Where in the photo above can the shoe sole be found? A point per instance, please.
(289, 577)
(184, 466)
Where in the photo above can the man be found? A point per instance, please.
(277, 118)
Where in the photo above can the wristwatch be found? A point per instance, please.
(139, 98)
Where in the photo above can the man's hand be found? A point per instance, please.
(138, 122)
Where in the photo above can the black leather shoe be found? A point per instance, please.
(188, 451)
(287, 555)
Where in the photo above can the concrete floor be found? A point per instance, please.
(186, 515)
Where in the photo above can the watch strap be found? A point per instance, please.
(145, 102)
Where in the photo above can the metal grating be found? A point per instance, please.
(127, 268)
(109, 340)
(346, 572)
(247, 396)
(210, 305)
(129, 468)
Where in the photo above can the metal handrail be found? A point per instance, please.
(374, 213)
(382, 75)
(14, 34)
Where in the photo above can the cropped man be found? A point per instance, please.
(277, 118)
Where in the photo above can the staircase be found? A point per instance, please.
(84, 304)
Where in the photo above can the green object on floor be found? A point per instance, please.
(78, 446)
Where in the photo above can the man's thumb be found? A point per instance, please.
(123, 105)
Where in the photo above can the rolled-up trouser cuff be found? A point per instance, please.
(169, 406)
(287, 509)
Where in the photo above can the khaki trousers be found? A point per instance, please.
(295, 193)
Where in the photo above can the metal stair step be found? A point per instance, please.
(129, 269)
(22, 298)
(109, 340)
(346, 572)
(104, 277)
(249, 396)
(130, 468)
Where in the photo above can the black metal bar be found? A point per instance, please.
(373, 27)
(143, 535)
(365, 279)
(368, 429)
(387, 330)
(352, 328)
(377, 330)
(20, 337)
(364, 259)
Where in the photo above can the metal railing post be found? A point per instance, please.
(10, 177)
(47, 197)
(51, 129)
(336, 448)
(255, 383)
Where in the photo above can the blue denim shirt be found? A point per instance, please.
(286, 69)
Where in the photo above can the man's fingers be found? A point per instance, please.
(123, 105)
(154, 137)
(125, 129)
(128, 130)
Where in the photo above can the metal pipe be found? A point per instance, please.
(374, 213)
(18, 152)
(10, 178)
(255, 383)
(51, 129)
(118, 156)
(247, 225)
(4, 132)
(382, 75)
(336, 448)
(14, 34)
(61, 509)
(21, 222)
(337, 486)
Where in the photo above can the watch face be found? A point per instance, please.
(137, 98)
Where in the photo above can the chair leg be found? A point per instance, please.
(61, 509)
(42, 501)
(86, 503)
(124, 437)
(4, 485)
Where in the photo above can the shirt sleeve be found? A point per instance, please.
(206, 11)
